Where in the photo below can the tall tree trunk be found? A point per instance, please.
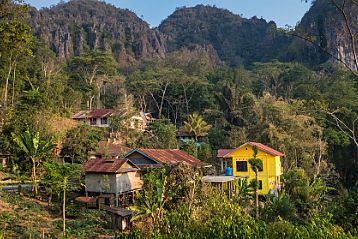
(162, 100)
(33, 177)
(186, 99)
(64, 207)
(7, 84)
(13, 86)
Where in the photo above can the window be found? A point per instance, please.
(241, 166)
(103, 120)
(261, 168)
(260, 184)
(93, 121)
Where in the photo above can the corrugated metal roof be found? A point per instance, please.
(103, 165)
(218, 179)
(223, 152)
(112, 149)
(80, 115)
(267, 149)
(86, 199)
(170, 156)
(100, 113)
(97, 113)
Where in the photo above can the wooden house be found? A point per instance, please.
(112, 179)
(102, 117)
(110, 148)
(156, 158)
(97, 117)
(120, 218)
(182, 134)
(270, 175)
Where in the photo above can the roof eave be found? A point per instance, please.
(249, 143)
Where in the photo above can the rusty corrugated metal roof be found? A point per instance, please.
(100, 113)
(223, 152)
(265, 148)
(97, 113)
(111, 148)
(86, 199)
(103, 165)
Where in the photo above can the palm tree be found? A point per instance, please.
(35, 149)
(256, 165)
(196, 125)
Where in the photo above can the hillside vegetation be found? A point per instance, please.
(223, 79)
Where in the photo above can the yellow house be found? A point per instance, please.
(270, 175)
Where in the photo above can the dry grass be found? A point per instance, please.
(22, 217)
(60, 125)
(26, 217)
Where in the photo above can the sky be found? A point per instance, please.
(283, 12)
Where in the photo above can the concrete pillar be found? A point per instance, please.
(117, 203)
(222, 164)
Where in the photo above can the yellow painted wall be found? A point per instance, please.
(270, 175)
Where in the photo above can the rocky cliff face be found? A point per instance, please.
(235, 39)
(72, 28)
(325, 24)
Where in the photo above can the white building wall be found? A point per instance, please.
(113, 183)
(128, 182)
(101, 183)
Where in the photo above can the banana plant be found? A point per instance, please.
(35, 150)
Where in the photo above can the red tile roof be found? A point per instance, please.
(98, 113)
(102, 165)
(171, 156)
(110, 148)
(86, 199)
(267, 149)
(80, 115)
(223, 152)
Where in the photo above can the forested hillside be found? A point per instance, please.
(237, 40)
(223, 79)
(73, 28)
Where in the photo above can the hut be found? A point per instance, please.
(112, 180)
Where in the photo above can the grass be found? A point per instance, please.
(25, 217)
(21, 217)
(89, 222)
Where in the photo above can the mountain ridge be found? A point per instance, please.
(72, 28)
(78, 26)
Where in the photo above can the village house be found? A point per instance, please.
(98, 117)
(237, 159)
(101, 118)
(111, 147)
(112, 180)
(156, 158)
(182, 134)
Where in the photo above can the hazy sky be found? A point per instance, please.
(154, 11)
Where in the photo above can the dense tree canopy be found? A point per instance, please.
(225, 87)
